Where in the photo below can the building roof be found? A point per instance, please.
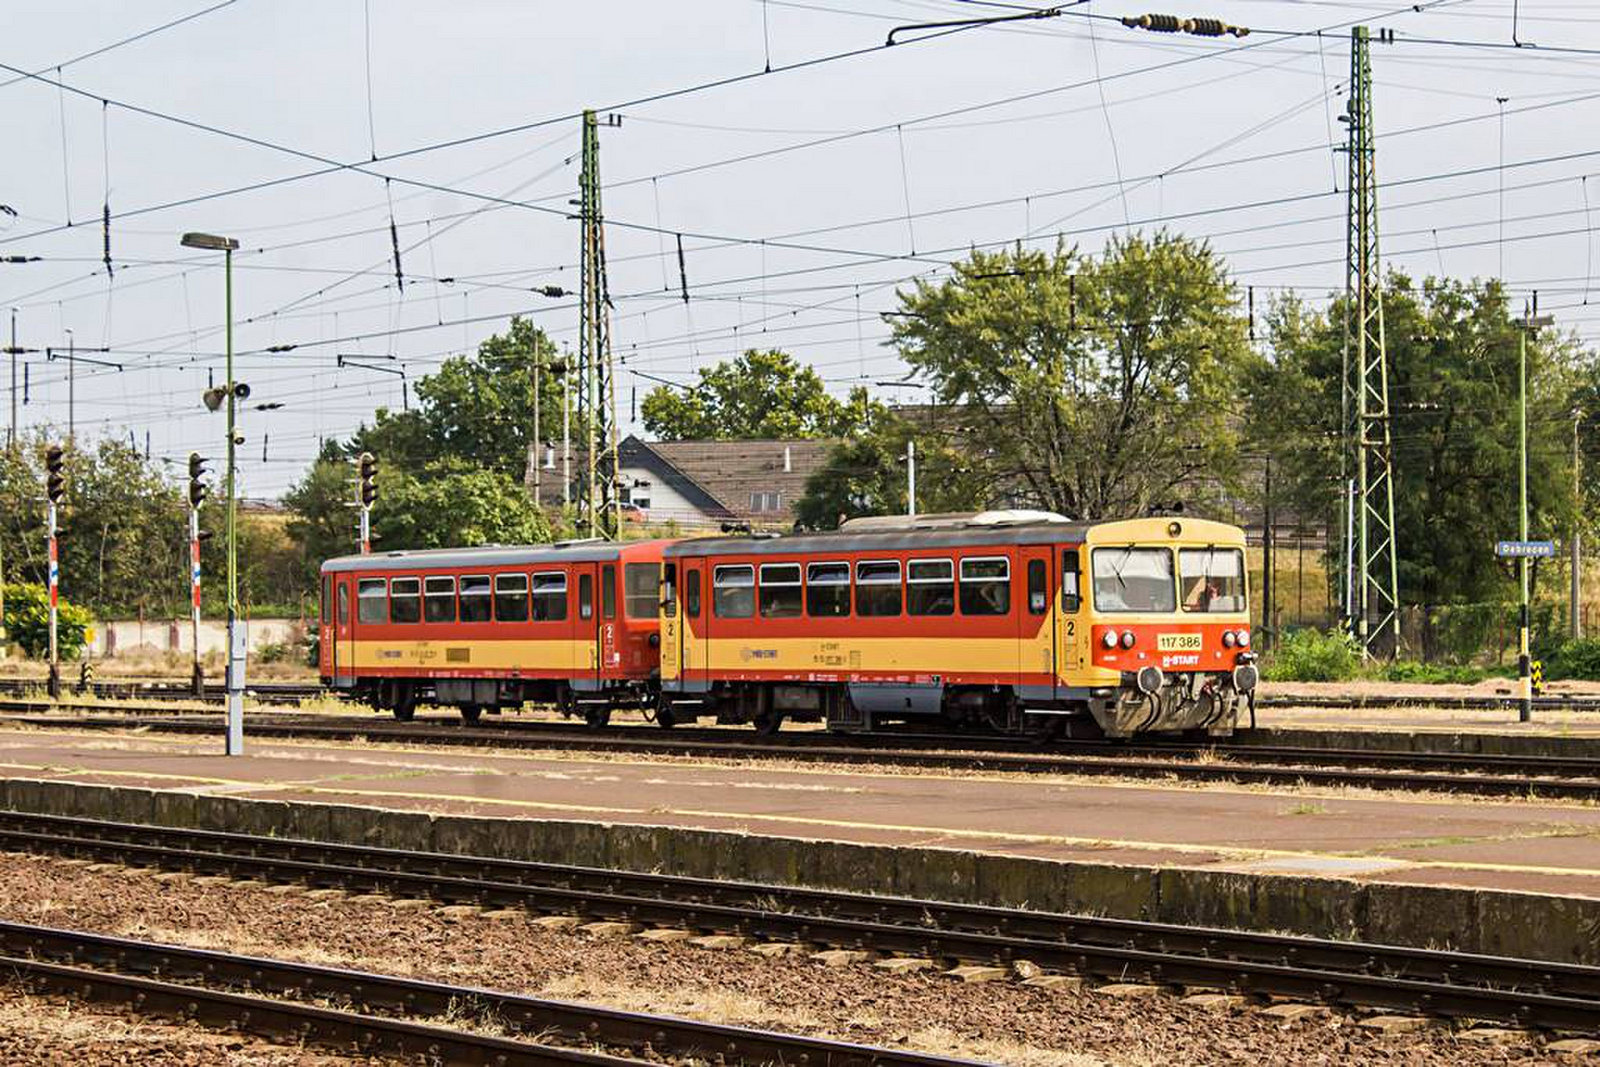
(719, 477)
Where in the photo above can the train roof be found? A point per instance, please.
(582, 551)
(956, 531)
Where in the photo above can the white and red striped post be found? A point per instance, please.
(55, 595)
(198, 679)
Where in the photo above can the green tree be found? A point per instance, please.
(477, 408)
(27, 622)
(1453, 368)
(451, 503)
(1096, 387)
(866, 474)
(123, 528)
(760, 395)
(323, 520)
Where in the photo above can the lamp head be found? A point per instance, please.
(210, 242)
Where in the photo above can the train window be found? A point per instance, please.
(405, 600)
(1071, 598)
(733, 592)
(439, 599)
(930, 587)
(1133, 579)
(1038, 587)
(475, 598)
(327, 597)
(344, 604)
(608, 591)
(878, 587)
(372, 600)
(986, 586)
(1213, 579)
(780, 590)
(549, 596)
(511, 597)
(641, 590)
(828, 590)
(585, 596)
(691, 594)
(669, 590)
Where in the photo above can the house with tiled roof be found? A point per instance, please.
(708, 483)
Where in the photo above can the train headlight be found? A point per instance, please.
(1228, 639)
(1127, 639)
(1244, 638)
(1110, 639)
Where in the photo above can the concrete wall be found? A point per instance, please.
(122, 636)
(1529, 925)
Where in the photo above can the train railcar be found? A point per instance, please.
(572, 624)
(1011, 621)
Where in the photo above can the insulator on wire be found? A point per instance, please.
(105, 231)
(1153, 23)
(394, 240)
(1202, 27)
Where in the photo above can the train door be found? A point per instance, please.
(1036, 638)
(696, 613)
(586, 629)
(610, 624)
(344, 645)
(1072, 631)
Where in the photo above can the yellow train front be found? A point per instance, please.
(1013, 621)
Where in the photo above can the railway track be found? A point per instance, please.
(378, 1014)
(296, 692)
(1351, 975)
(1548, 777)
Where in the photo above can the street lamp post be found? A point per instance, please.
(1525, 326)
(234, 745)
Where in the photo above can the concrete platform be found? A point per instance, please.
(1505, 877)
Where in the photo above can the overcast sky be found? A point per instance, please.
(792, 189)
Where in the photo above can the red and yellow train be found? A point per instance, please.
(1007, 621)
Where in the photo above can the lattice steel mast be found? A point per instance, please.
(597, 396)
(1372, 589)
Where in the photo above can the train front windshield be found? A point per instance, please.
(1134, 579)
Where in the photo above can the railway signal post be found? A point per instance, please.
(197, 496)
(55, 489)
(367, 468)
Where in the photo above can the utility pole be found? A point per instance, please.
(598, 400)
(1267, 561)
(911, 477)
(1370, 535)
(1574, 617)
(537, 446)
(55, 489)
(72, 390)
(14, 351)
(1525, 325)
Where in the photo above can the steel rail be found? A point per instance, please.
(1296, 767)
(1524, 992)
(124, 969)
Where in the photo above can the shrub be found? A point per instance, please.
(1410, 670)
(1575, 659)
(1312, 656)
(27, 622)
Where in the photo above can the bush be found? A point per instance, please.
(1410, 670)
(1312, 656)
(27, 622)
(1575, 659)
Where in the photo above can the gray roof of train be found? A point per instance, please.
(487, 556)
(1040, 533)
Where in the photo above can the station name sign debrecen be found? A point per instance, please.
(1524, 549)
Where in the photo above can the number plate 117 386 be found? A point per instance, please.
(1178, 643)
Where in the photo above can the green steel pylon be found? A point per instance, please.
(597, 387)
(1372, 587)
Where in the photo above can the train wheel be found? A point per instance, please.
(664, 717)
(597, 715)
(405, 703)
(471, 712)
(769, 723)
